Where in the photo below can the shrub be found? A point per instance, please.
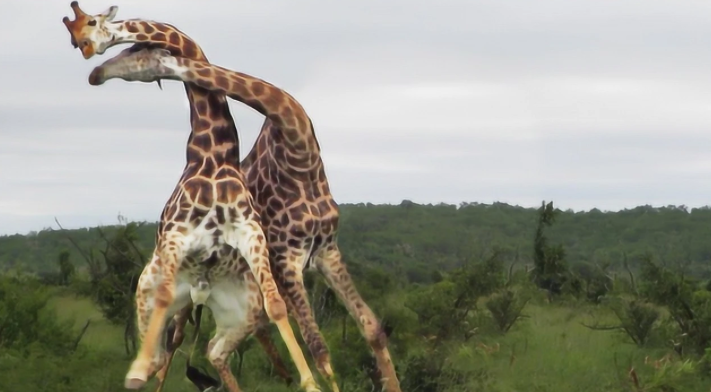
(636, 319)
(506, 308)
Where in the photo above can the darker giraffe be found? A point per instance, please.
(209, 245)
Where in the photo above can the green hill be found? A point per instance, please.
(415, 240)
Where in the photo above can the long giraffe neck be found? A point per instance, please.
(285, 112)
(214, 134)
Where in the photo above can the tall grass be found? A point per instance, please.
(549, 351)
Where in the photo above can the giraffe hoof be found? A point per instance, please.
(310, 386)
(137, 375)
(134, 383)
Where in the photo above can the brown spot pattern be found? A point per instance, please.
(147, 28)
(222, 82)
(174, 38)
(201, 108)
(228, 190)
(189, 50)
(257, 88)
(159, 37)
(203, 141)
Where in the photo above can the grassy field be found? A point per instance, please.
(106, 340)
(553, 351)
(548, 351)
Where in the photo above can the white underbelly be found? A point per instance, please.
(232, 304)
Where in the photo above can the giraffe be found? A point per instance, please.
(210, 247)
(84, 24)
(288, 180)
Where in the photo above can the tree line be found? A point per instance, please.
(417, 241)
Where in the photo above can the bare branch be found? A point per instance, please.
(111, 244)
(83, 253)
(629, 271)
(81, 335)
(511, 268)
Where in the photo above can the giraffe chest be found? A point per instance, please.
(208, 252)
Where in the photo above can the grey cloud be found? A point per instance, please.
(589, 103)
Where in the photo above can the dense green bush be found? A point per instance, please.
(506, 308)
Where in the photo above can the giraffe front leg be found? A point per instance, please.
(249, 239)
(157, 285)
(330, 264)
(174, 341)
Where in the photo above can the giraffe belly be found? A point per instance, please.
(234, 303)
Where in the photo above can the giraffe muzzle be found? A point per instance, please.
(97, 77)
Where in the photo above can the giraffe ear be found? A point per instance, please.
(110, 13)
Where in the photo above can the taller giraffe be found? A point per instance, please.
(209, 227)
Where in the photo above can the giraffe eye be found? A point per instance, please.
(91, 22)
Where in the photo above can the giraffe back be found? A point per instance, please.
(296, 207)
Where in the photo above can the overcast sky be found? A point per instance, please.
(592, 103)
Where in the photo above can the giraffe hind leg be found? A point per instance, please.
(292, 283)
(218, 352)
(330, 264)
(264, 338)
(236, 307)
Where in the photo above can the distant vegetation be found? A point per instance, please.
(418, 240)
(477, 298)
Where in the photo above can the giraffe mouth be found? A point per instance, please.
(96, 77)
(138, 63)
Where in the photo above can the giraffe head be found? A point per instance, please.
(138, 64)
(92, 34)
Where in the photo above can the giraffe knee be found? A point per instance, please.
(276, 307)
(323, 359)
(216, 358)
(374, 334)
(318, 349)
(215, 354)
